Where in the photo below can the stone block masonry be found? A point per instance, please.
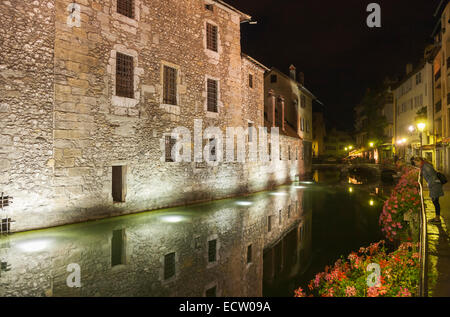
(63, 126)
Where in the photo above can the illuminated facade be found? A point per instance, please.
(441, 89)
(90, 92)
(288, 105)
(412, 95)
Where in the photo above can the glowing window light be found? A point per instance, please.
(306, 182)
(371, 202)
(300, 187)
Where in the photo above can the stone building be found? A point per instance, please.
(90, 95)
(288, 105)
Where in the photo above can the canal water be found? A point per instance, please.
(265, 244)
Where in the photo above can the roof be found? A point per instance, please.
(415, 70)
(254, 61)
(300, 86)
(226, 5)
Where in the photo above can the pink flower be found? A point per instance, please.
(404, 292)
(350, 291)
(372, 291)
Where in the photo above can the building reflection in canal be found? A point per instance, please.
(266, 244)
(212, 249)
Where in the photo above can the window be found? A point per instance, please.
(169, 265)
(118, 247)
(250, 80)
(269, 224)
(270, 151)
(273, 78)
(289, 211)
(303, 101)
(209, 7)
(289, 152)
(296, 154)
(250, 132)
(119, 183)
(418, 78)
(279, 217)
(212, 251)
(126, 7)
(281, 152)
(211, 37)
(302, 124)
(249, 254)
(212, 86)
(124, 76)
(211, 292)
(169, 144)
(170, 86)
(307, 125)
(212, 150)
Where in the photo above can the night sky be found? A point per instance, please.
(330, 42)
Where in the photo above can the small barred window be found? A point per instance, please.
(124, 76)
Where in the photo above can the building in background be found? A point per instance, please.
(441, 89)
(338, 144)
(288, 104)
(319, 134)
(413, 102)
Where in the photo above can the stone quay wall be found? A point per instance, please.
(63, 127)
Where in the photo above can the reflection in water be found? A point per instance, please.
(262, 244)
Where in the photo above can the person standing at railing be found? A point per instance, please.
(434, 185)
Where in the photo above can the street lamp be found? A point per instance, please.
(371, 144)
(421, 126)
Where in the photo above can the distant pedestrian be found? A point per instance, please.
(434, 185)
(412, 161)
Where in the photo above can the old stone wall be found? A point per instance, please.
(27, 37)
(93, 129)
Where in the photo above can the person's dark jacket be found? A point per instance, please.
(434, 184)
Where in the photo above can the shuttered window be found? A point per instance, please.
(126, 7)
(170, 85)
(124, 76)
(212, 95)
(250, 80)
(169, 265)
(119, 183)
(212, 251)
(211, 37)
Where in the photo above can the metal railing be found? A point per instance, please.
(423, 279)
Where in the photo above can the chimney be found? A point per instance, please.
(301, 78)
(409, 68)
(292, 72)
